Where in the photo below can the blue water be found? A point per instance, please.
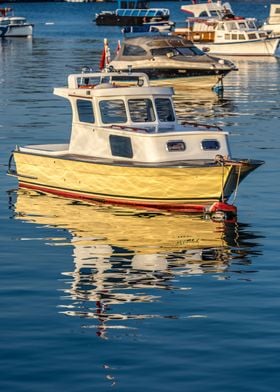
(96, 298)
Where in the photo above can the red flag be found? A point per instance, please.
(103, 58)
(118, 47)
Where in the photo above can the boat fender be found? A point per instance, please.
(222, 207)
(219, 159)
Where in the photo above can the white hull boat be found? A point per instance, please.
(267, 47)
(15, 26)
(215, 29)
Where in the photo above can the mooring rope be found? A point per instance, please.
(237, 183)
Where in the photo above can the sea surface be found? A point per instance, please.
(99, 298)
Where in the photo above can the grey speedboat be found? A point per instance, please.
(168, 59)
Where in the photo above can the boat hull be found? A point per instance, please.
(19, 31)
(179, 78)
(119, 20)
(267, 47)
(191, 188)
(180, 83)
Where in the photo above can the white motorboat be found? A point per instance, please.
(214, 28)
(153, 27)
(15, 26)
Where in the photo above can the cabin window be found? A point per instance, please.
(113, 111)
(164, 51)
(277, 11)
(190, 51)
(121, 146)
(133, 50)
(262, 35)
(203, 14)
(252, 36)
(242, 26)
(251, 24)
(85, 111)
(231, 26)
(164, 109)
(176, 145)
(4, 22)
(221, 27)
(234, 36)
(242, 36)
(210, 144)
(227, 36)
(141, 110)
(195, 50)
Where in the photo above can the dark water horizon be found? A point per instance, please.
(99, 298)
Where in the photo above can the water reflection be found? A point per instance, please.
(10, 47)
(123, 258)
(202, 105)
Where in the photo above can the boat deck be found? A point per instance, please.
(65, 155)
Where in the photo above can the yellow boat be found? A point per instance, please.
(128, 148)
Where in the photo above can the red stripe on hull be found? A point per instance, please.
(188, 208)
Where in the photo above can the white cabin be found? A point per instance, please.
(216, 10)
(116, 120)
(273, 22)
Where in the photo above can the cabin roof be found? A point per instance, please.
(156, 40)
(197, 9)
(109, 84)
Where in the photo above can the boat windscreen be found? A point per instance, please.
(141, 110)
(164, 51)
(113, 111)
(133, 50)
(190, 51)
(164, 109)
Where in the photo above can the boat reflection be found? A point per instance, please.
(16, 45)
(198, 106)
(123, 257)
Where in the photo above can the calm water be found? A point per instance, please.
(96, 298)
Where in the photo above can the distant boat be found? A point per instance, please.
(153, 27)
(215, 29)
(168, 59)
(14, 26)
(273, 22)
(131, 13)
(128, 148)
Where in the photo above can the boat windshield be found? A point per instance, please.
(141, 110)
(4, 22)
(19, 21)
(184, 51)
(212, 13)
(164, 109)
(191, 51)
(113, 111)
(164, 51)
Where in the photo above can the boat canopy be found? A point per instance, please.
(133, 4)
(145, 47)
